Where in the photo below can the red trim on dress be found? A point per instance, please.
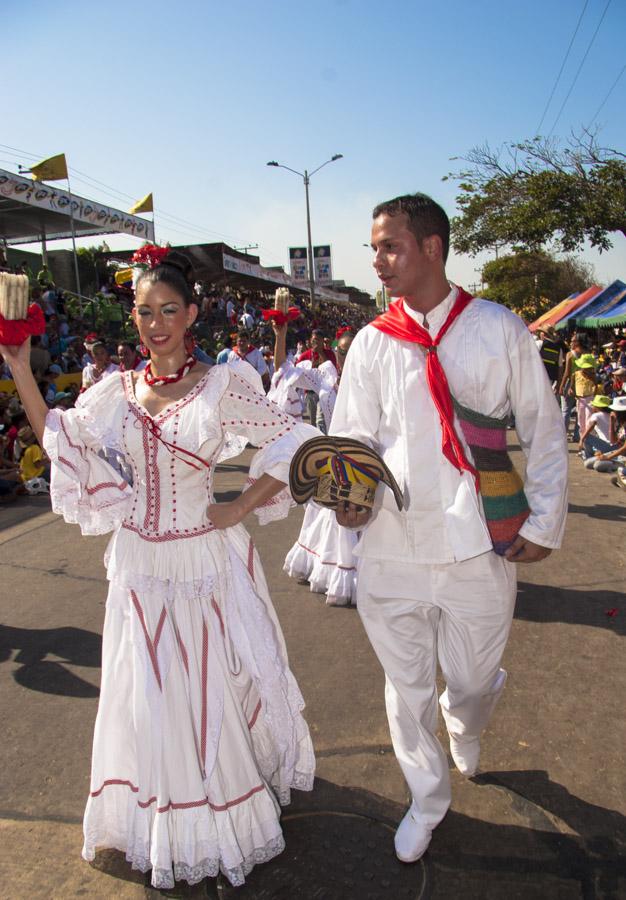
(191, 804)
(255, 716)
(167, 535)
(218, 613)
(106, 484)
(80, 450)
(251, 560)
(183, 650)
(152, 648)
(67, 463)
(308, 550)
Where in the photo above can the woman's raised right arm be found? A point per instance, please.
(34, 405)
(280, 344)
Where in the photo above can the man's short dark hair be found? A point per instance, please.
(242, 333)
(425, 217)
(318, 332)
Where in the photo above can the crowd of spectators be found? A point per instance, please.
(590, 380)
(229, 321)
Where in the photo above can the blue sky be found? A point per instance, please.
(190, 100)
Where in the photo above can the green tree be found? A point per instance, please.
(529, 194)
(531, 282)
(92, 269)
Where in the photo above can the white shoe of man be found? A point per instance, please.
(465, 752)
(412, 837)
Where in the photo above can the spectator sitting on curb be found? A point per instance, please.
(596, 435)
(33, 462)
(605, 455)
(10, 481)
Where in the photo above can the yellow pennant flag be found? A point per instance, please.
(144, 205)
(52, 169)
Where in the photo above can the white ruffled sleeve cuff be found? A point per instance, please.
(84, 488)
(274, 459)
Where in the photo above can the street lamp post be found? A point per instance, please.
(306, 177)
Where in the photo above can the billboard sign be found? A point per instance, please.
(323, 264)
(298, 264)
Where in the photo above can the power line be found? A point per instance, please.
(558, 77)
(608, 94)
(117, 194)
(582, 63)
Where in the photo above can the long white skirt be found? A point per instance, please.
(199, 734)
(323, 556)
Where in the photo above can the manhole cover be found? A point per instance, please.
(333, 856)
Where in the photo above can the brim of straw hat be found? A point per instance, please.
(304, 473)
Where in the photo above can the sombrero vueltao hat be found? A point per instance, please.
(332, 470)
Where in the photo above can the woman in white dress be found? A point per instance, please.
(322, 554)
(199, 735)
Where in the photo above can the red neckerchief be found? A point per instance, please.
(247, 353)
(399, 324)
(136, 362)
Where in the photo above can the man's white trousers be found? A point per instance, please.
(459, 612)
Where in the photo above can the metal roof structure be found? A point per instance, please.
(34, 212)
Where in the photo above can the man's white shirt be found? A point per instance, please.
(492, 366)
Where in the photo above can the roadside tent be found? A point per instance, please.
(562, 311)
(606, 312)
(543, 318)
(599, 305)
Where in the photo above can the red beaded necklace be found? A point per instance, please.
(158, 380)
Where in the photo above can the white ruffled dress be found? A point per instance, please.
(322, 554)
(199, 734)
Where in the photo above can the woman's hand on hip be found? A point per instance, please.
(225, 515)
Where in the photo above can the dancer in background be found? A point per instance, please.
(199, 736)
(322, 554)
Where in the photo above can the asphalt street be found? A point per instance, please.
(546, 818)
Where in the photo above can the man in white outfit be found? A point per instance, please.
(429, 584)
(246, 352)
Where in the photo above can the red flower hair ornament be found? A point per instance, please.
(150, 255)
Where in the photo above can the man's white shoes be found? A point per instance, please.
(412, 838)
(465, 752)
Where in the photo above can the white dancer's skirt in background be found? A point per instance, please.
(323, 556)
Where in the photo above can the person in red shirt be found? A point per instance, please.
(318, 353)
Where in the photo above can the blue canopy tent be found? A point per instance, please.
(606, 309)
(613, 314)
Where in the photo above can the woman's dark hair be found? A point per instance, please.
(176, 271)
(581, 338)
